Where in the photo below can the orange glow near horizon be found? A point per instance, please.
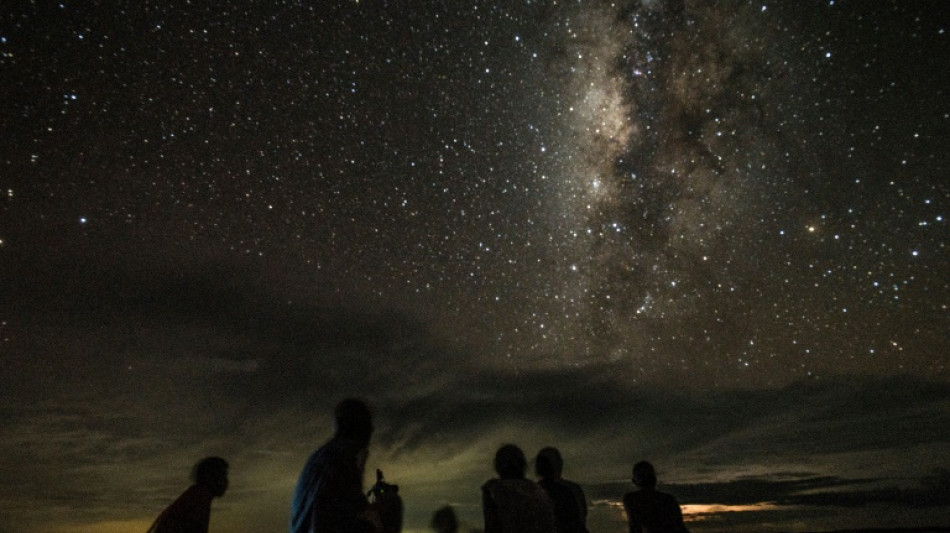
(696, 512)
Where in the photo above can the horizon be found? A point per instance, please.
(787, 496)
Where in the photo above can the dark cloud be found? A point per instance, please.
(199, 360)
(933, 491)
(794, 496)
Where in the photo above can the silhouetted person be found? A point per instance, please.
(649, 510)
(445, 521)
(511, 503)
(387, 504)
(191, 512)
(570, 504)
(329, 496)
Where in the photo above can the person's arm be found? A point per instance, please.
(632, 518)
(678, 516)
(490, 512)
(581, 505)
(340, 502)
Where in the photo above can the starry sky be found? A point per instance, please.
(711, 234)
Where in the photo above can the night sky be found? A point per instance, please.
(711, 234)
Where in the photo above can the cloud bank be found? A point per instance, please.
(124, 388)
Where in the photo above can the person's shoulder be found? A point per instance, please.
(316, 454)
(534, 491)
(331, 450)
(571, 484)
(557, 486)
(491, 484)
(194, 495)
(513, 488)
(532, 486)
(637, 497)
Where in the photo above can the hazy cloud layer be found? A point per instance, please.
(179, 366)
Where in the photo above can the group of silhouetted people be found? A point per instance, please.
(513, 503)
(329, 496)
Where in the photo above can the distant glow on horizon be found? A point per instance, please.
(695, 512)
(111, 526)
(698, 512)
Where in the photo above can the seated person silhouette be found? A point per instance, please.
(513, 504)
(191, 512)
(649, 510)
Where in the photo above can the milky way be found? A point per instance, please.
(666, 187)
(690, 221)
(666, 162)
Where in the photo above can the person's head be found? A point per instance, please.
(510, 462)
(353, 420)
(548, 464)
(445, 521)
(212, 474)
(644, 476)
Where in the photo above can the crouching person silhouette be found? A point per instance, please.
(191, 512)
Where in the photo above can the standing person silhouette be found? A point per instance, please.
(329, 496)
(570, 504)
(513, 504)
(191, 512)
(649, 510)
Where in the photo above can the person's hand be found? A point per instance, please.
(371, 515)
